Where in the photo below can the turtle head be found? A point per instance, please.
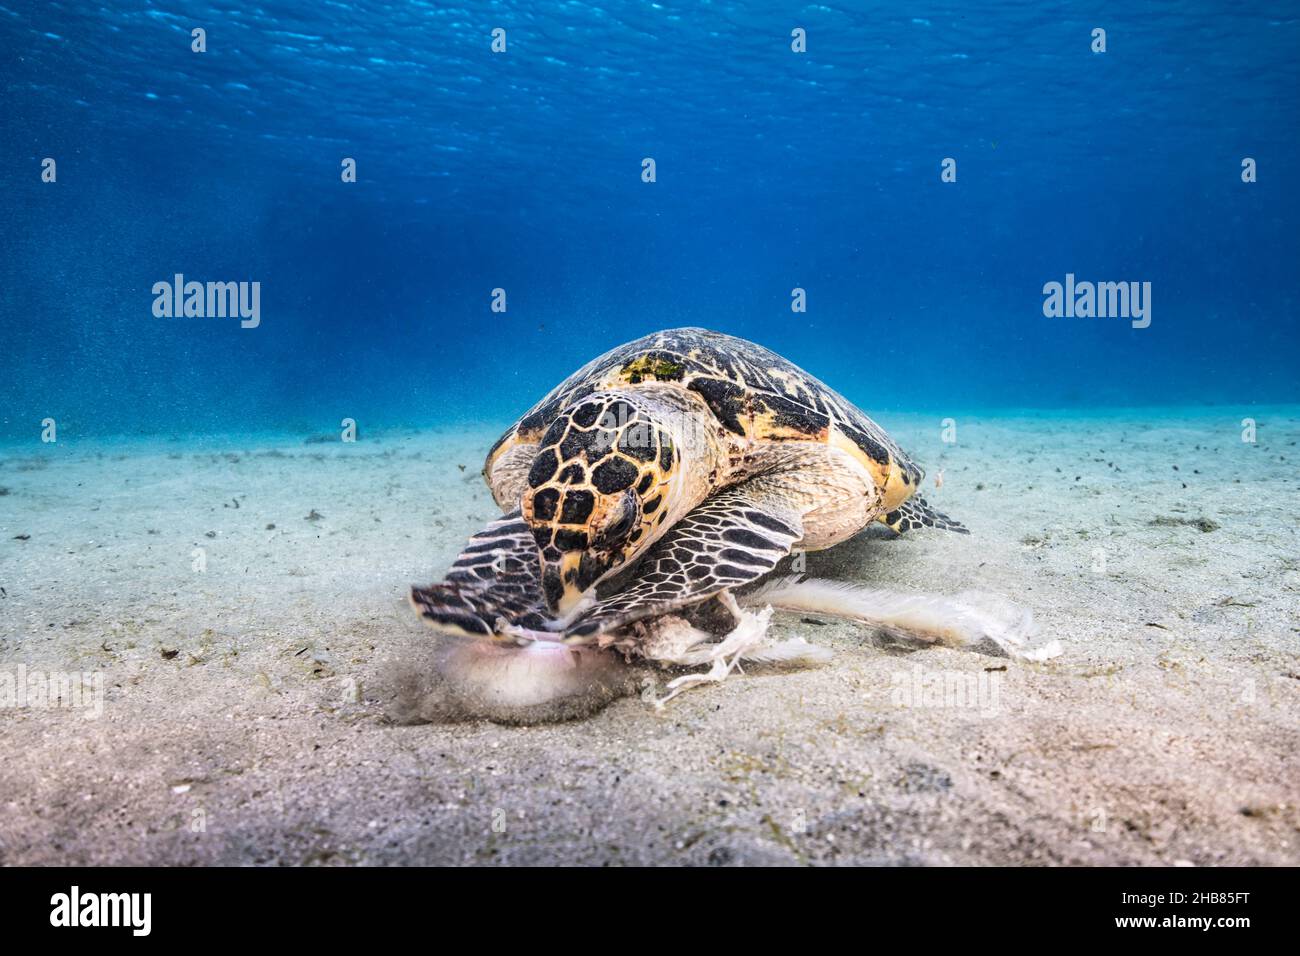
(599, 491)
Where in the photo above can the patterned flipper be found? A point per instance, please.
(730, 540)
(495, 578)
(917, 513)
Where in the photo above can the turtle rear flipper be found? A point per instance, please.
(916, 513)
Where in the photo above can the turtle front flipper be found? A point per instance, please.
(513, 669)
(730, 540)
(495, 578)
(917, 513)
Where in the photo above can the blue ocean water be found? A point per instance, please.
(522, 170)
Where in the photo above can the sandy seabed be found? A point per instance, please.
(241, 603)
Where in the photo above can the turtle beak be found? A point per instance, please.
(572, 593)
(567, 580)
(560, 582)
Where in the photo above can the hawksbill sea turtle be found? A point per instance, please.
(645, 493)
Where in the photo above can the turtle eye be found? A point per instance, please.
(618, 523)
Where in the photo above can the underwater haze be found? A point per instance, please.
(921, 176)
